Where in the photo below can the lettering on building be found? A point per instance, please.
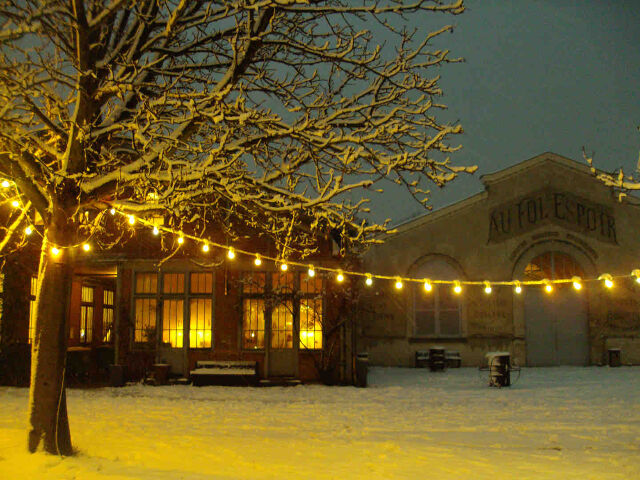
(552, 208)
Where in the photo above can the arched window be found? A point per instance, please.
(436, 313)
(552, 265)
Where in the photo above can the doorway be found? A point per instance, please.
(556, 323)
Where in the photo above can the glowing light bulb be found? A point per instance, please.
(86, 247)
(518, 287)
(180, 240)
(311, 272)
(55, 251)
(231, 254)
(398, 283)
(427, 286)
(487, 288)
(258, 261)
(369, 280)
(112, 211)
(132, 219)
(608, 280)
(636, 273)
(156, 230)
(5, 184)
(28, 231)
(577, 283)
(284, 267)
(457, 288)
(15, 204)
(340, 276)
(205, 247)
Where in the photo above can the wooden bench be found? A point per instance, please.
(224, 372)
(452, 359)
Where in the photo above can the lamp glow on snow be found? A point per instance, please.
(636, 273)
(457, 288)
(340, 276)
(398, 284)
(427, 286)
(257, 261)
(607, 279)
(311, 271)
(369, 281)
(487, 287)
(577, 283)
(518, 287)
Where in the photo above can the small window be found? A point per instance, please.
(253, 323)
(201, 283)
(172, 318)
(311, 323)
(145, 320)
(146, 283)
(173, 283)
(86, 315)
(200, 323)
(107, 315)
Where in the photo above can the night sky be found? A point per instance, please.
(538, 76)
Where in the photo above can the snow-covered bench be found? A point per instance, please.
(224, 372)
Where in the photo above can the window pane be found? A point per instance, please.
(310, 284)
(145, 320)
(108, 297)
(253, 323)
(449, 300)
(173, 283)
(425, 323)
(172, 318)
(107, 325)
(282, 326)
(253, 282)
(87, 294)
(449, 322)
(86, 324)
(282, 282)
(311, 323)
(146, 283)
(200, 323)
(201, 282)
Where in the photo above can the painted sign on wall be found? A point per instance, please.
(552, 207)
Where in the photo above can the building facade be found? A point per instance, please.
(545, 218)
(125, 307)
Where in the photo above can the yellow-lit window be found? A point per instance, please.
(86, 315)
(1, 302)
(107, 315)
(173, 283)
(200, 310)
(282, 326)
(172, 322)
(253, 323)
(32, 308)
(145, 306)
(311, 323)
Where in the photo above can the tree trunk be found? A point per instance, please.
(48, 422)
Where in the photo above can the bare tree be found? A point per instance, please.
(273, 113)
(622, 182)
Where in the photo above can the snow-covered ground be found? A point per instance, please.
(555, 423)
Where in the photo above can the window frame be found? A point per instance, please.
(294, 298)
(186, 296)
(87, 306)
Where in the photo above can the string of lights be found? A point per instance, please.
(605, 279)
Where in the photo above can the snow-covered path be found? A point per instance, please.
(555, 423)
